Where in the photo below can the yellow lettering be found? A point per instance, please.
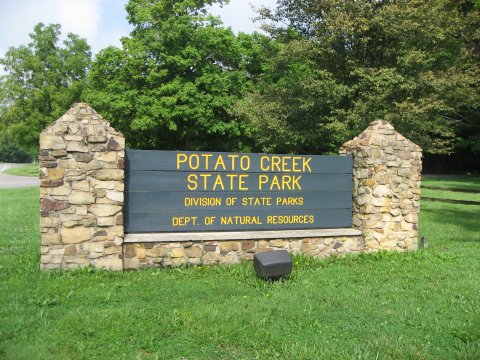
(306, 165)
(233, 157)
(262, 179)
(194, 161)
(181, 158)
(203, 201)
(241, 182)
(286, 180)
(296, 183)
(184, 220)
(205, 180)
(295, 164)
(276, 163)
(286, 163)
(207, 157)
(275, 183)
(290, 219)
(218, 181)
(262, 166)
(245, 162)
(231, 177)
(220, 162)
(192, 182)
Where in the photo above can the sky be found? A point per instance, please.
(101, 22)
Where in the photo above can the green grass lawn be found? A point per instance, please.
(419, 305)
(25, 170)
(470, 182)
(442, 194)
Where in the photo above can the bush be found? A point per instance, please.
(11, 152)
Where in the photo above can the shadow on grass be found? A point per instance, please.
(464, 218)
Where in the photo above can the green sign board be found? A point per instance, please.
(183, 191)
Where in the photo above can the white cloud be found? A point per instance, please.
(80, 17)
(86, 18)
(239, 14)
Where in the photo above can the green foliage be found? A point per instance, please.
(328, 67)
(413, 63)
(422, 304)
(42, 81)
(11, 152)
(174, 80)
(296, 106)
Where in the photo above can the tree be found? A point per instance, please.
(172, 84)
(43, 80)
(296, 107)
(409, 62)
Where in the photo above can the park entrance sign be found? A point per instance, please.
(182, 191)
(111, 208)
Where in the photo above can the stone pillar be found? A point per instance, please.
(81, 192)
(386, 187)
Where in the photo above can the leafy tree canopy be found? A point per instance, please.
(345, 63)
(172, 84)
(42, 81)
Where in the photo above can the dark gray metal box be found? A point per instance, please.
(272, 264)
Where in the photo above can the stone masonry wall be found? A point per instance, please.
(146, 255)
(386, 187)
(81, 192)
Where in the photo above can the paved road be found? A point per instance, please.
(13, 181)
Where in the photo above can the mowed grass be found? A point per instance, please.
(462, 182)
(452, 195)
(418, 305)
(25, 170)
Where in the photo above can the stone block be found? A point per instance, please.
(48, 183)
(104, 209)
(115, 144)
(73, 137)
(105, 221)
(279, 243)
(115, 196)
(68, 163)
(157, 251)
(77, 146)
(59, 153)
(229, 245)
(49, 204)
(82, 185)
(75, 235)
(177, 252)
(107, 185)
(97, 139)
(111, 262)
(119, 219)
(194, 251)
(382, 191)
(51, 142)
(130, 251)
(92, 165)
(82, 157)
(247, 245)
(51, 239)
(97, 147)
(59, 191)
(70, 250)
(109, 156)
(108, 174)
(81, 198)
